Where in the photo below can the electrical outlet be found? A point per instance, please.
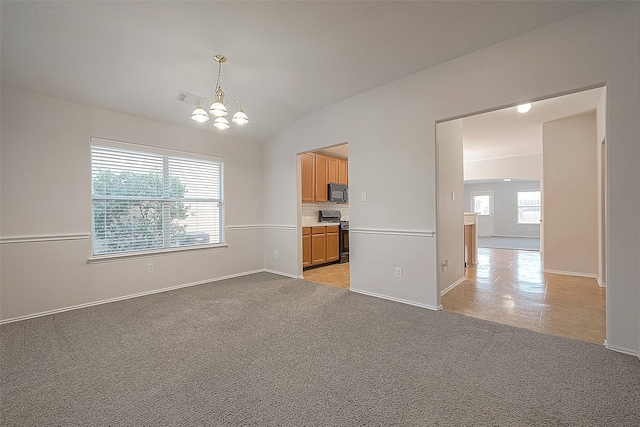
(399, 272)
(445, 264)
(275, 254)
(149, 268)
(363, 196)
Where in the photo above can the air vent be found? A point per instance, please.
(187, 98)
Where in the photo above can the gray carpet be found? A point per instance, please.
(270, 351)
(518, 243)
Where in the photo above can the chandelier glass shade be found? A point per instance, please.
(218, 108)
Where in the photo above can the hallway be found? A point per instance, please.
(509, 286)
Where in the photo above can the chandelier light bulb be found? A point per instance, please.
(221, 123)
(218, 109)
(199, 115)
(240, 118)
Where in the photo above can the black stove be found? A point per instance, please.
(326, 215)
(344, 241)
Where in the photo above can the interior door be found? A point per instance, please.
(482, 203)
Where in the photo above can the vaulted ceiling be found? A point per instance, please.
(285, 59)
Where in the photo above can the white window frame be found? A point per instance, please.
(146, 149)
(475, 194)
(518, 206)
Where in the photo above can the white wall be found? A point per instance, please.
(571, 195)
(46, 190)
(392, 153)
(527, 167)
(505, 206)
(601, 125)
(450, 203)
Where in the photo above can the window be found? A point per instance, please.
(153, 200)
(528, 207)
(481, 204)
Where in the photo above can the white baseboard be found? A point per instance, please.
(572, 273)
(280, 273)
(622, 350)
(125, 297)
(601, 283)
(400, 300)
(513, 237)
(453, 285)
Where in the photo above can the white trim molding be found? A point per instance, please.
(453, 285)
(280, 273)
(412, 233)
(125, 297)
(44, 238)
(244, 227)
(400, 300)
(622, 350)
(571, 273)
(279, 227)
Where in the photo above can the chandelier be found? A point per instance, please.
(218, 108)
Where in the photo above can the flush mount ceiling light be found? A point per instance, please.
(523, 108)
(218, 107)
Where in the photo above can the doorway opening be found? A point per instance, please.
(551, 164)
(323, 216)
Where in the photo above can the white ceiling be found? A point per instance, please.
(508, 133)
(285, 59)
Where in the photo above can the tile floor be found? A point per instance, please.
(333, 275)
(508, 286)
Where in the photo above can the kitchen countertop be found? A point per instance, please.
(318, 223)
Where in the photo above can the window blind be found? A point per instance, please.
(147, 201)
(529, 207)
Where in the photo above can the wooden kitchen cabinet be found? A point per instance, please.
(306, 246)
(322, 177)
(333, 169)
(308, 177)
(343, 172)
(317, 171)
(332, 243)
(318, 245)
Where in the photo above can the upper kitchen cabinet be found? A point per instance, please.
(343, 172)
(317, 171)
(338, 171)
(308, 177)
(322, 177)
(333, 169)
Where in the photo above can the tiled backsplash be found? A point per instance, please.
(311, 209)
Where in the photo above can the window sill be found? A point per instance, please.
(172, 251)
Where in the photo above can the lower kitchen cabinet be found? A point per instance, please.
(306, 247)
(332, 243)
(320, 245)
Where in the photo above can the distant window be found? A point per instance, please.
(147, 200)
(482, 204)
(528, 207)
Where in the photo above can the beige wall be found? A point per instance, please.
(46, 191)
(570, 195)
(392, 157)
(527, 167)
(450, 205)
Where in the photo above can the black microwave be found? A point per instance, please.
(338, 193)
